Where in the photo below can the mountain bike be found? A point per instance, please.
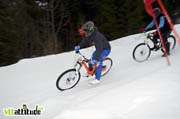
(70, 78)
(143, 50)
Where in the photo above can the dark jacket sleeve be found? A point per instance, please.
(84, 42)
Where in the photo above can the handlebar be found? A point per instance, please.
(85, 59)
(149, 35)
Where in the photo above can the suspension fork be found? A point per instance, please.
(78, 67)
(149, 37)
(146, 41)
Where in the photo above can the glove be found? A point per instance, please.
(77, 48)
(92, 62)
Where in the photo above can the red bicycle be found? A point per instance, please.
(70, 78)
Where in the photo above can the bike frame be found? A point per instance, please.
(148, 37)
(84, 63)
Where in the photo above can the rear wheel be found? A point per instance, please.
(172, 41)
(107, 64)
(68, 79)
(141, 52)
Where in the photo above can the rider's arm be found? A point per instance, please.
(162, 22)
(151, 24)
(99, 48)
(84, 42)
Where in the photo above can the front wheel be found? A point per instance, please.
(68, 79)
(141, 52)
(107, 64)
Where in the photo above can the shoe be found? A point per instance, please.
(164, 55)
(94, 81)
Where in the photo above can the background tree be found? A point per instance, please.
(107, 19)
(31, 28)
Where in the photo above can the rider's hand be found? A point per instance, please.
(92, 62)
(77, 48)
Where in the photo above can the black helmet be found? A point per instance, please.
(88, 26)
(156, 11)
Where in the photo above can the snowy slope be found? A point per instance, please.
(131, 90)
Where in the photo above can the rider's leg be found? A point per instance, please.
(98, 69)
(166, 43)
(93, 57)
(155, 41)
(155, 38)
(165, 36)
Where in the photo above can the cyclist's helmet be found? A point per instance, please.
(156, 11)
(88, 26)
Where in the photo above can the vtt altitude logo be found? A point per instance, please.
(23, 111)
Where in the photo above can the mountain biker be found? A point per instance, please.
(164, 29)
(102, 46)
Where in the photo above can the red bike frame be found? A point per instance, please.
(84, 63)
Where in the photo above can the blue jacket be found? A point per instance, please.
(162, 24)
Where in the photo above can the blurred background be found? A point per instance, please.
(33, 28)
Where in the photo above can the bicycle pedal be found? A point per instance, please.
(155, 48)
(86, 75)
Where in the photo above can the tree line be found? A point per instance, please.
(32, 28)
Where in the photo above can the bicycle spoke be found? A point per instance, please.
(141, 52)
(68, 79)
